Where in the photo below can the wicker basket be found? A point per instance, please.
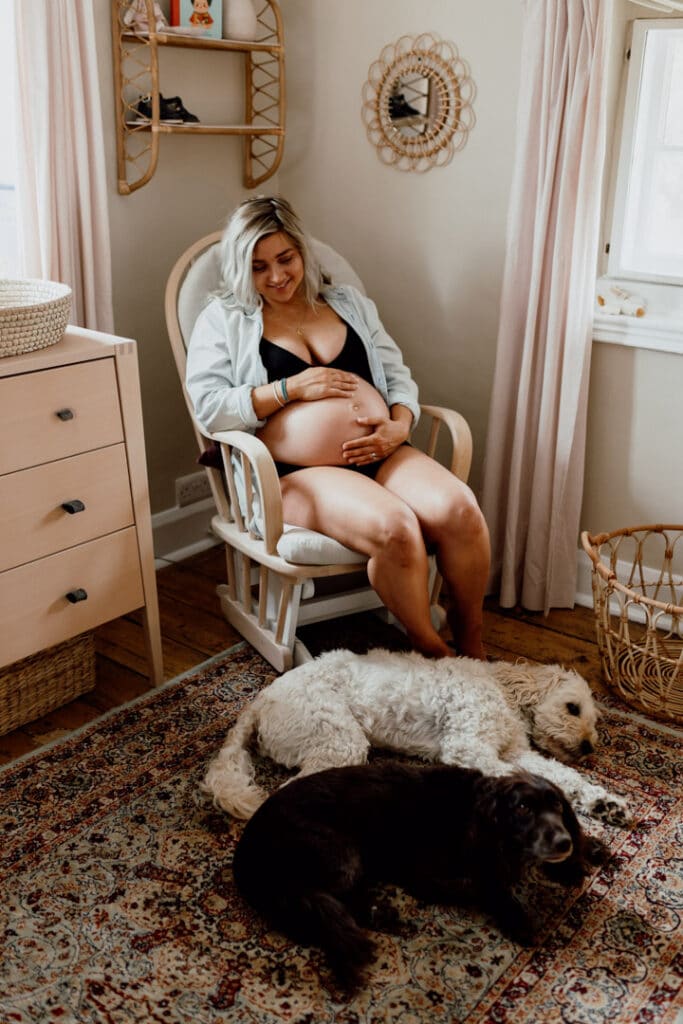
(33, 314)
(638, 603)
(33, 686)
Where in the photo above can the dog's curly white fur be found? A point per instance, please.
(330, 711)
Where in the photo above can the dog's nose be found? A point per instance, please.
(586, 748)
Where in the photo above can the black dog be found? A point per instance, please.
(311, 852)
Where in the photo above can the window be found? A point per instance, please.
(9, 247)
(646, 240)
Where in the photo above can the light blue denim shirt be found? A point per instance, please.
(224, 364)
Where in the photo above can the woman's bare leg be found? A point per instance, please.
(359, 513)
(452, 522)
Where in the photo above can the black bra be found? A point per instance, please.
(279, 362)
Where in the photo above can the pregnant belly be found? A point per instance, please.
(312, 433)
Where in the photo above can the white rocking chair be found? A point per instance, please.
(288, 577)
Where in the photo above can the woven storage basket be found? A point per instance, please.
(33, 314)
(33, 686)
(638, 601)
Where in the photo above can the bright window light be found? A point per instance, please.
(9, 249)
(646, 241)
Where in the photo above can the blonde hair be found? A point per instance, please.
(251, 221)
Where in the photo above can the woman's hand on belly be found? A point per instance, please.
(312, 432)
(384, 435)
(321, 382)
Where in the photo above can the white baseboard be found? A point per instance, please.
(584, 586)
(636, 613)
(180, 532)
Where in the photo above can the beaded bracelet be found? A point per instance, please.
(283, 388)
(277, 396)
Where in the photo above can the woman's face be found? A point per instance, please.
(278, 268)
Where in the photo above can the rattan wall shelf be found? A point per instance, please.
(136, 73)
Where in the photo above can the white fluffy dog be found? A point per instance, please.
(329, 711)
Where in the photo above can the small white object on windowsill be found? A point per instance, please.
(661, 329)
(616, 301)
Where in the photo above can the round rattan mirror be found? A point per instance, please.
(417, 103)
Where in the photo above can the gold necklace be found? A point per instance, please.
(299, 329)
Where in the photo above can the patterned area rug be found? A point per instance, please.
(118, 905)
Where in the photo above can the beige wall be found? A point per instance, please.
(634, 467)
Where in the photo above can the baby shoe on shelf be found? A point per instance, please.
(171, 111)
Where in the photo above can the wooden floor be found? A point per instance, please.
(193, 629)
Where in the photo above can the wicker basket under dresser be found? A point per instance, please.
(75, 526)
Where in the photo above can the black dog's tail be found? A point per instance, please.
(321, 919)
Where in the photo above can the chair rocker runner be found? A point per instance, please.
(289, 576)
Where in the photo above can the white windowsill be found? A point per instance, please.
(660, 329)
(661, 333)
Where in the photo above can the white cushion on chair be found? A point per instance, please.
(336, 267)
(307, 547)
(201, 280)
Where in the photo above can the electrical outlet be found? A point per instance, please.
(191, 488)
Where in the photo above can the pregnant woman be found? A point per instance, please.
(308, 367)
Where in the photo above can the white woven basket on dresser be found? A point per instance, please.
(33, 314)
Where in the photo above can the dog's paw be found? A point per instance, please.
(384, 917)
(611, 810)
(596, 852)
(515, 922)
(569, 872)
(522, 932)
(349, 964)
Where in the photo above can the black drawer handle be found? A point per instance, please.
(77, 595)
(73, 506)
(64, 414)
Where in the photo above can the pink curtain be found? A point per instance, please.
(533, 470)
(62, 193)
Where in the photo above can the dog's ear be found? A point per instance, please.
(497, 795)
(488, 802)
(520, 680)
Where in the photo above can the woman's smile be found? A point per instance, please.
(277, 267)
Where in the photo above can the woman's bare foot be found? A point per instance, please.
(468, 643)
(437, 649)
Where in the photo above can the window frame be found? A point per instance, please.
(624, 146)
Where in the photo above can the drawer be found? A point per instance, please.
(87, 396)
(34, 524)
(34, 610)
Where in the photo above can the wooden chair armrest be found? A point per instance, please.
(258, 466)
(460, 435)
